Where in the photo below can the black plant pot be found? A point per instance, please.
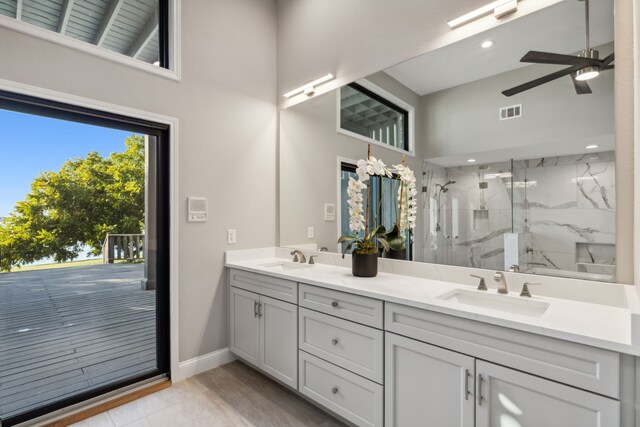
(364, 265)
(393, 254)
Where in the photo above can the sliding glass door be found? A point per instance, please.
(84, 255)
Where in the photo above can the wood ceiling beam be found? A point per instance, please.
(108, 20)
(19, 10)
(149, 31)
(64, 16)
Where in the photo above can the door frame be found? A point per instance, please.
(172, 134)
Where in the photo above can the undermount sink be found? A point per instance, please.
(496, 302)
(284, 265)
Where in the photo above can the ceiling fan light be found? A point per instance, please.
(587, 73)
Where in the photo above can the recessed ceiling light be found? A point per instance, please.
(486, 44)
(592, 146)
(471, 160)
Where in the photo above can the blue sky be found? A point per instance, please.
(33, 144)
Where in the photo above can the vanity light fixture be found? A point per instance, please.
(471, 160)
(486, 44)
(592, 147)
(499, 8)
(309, 88)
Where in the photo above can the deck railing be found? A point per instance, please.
(128, 247)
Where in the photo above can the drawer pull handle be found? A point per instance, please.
(334, 304)
(334, 390)
(255, 309)
(467, 374)
(480, 380)
(334, 341)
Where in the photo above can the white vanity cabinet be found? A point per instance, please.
(506, 397)
(378, 363)
(427, 385)
(263, 329)
(341, 353)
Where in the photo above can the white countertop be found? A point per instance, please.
(592, 324)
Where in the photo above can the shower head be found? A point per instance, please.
(443, 188)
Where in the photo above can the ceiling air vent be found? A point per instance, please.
(511, 112)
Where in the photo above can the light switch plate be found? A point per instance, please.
(311, 232)
(231, 236)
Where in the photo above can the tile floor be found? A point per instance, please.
(231, 395)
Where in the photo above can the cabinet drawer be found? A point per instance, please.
(356, 399)
(581, 366)
(356, 308)
(273, 287)
(354, 347)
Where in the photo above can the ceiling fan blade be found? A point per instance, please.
(557, 58)
(581, 87)
(540, 81)
(606, 61)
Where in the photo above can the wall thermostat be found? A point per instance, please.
(329, 212)
(197, 209)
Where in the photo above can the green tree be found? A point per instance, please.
(76, 206)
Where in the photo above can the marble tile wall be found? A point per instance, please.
(563, 209)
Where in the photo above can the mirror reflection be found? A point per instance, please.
(512, 148)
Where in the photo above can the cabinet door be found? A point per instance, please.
(279, 340)
(245, 325)
(427, 385)
(511, 398)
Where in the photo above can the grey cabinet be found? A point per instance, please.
(507, 397)
(245, 325)
(427, 385)
(264, 333)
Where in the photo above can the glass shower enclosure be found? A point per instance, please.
(545, 215)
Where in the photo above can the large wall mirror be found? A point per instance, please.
(523, 179)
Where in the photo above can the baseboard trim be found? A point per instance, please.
(203, 363)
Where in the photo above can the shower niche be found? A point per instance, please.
(552, 216)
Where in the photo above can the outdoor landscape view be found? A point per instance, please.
(76, 312)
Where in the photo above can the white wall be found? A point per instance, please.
(226, 106)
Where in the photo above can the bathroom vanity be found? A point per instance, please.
(399, 350)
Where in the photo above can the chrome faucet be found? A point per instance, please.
(502, 282)
(482, 286)
(298, 256)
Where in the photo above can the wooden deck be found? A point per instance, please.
(68, 330)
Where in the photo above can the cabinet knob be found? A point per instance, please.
(334, 304)
(334, 341)
(334, 390)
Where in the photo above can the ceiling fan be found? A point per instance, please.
(582, 67)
